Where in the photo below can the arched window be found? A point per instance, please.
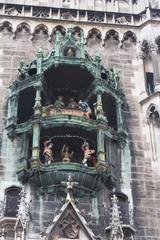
(153, 117)
(12, 195)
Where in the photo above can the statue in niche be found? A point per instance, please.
(85, 108)
(45, 110)
(70, 228)
(59, 104)
(72, 104)
(114, 77)
(66, 154)
(88, 154)
(48, 152)
(22, 68)
(69, 52)
(122, 20)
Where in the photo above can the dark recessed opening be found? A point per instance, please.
(26, 101)
(66, 80)
(12, 201)
(149, 83)
(109, 108)
(71, 137)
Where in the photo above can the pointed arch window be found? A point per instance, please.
(153, 116)
(12, 199)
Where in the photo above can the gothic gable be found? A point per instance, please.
(69, 224)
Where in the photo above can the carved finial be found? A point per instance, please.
(69, 187)
(116, 228)
(57, 36)
(2, 208)
(82, 38)
(3, 234)
(22, 69)
(24, 209)
(114, 76)
(40, 52)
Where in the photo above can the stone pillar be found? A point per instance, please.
(155, 67)
(141, 76)
(12, 109)
(35, 144)
(148, 13)
(3, 234)
(100, 145)
(36, 129)
(12, 114)
(38, 106)
(99, 107)
(119, 115)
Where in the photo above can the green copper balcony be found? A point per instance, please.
(49, 178)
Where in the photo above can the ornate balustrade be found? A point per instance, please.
(50, 111)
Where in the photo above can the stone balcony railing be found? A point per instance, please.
(60, 12)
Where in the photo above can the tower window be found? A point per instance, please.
(12, 201)
(149, 83)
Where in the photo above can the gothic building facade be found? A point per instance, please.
(80, 119)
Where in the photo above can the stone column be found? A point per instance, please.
(141, 76)
(100, 145)
(155, 67)
(119, 115)
(12, 109)
(35, 144)
(99, 107)
(38, 106)
(36, 129)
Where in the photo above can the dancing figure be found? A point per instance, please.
(48, 152)
(59, 103)
(66, 154)
(85, 108)
(72, 104)
(88, 154)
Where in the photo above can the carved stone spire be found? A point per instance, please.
(69, 188)
(116, 228)
(3, 234)
(23, 217)
(24, 209)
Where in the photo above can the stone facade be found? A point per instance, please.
(126, 35)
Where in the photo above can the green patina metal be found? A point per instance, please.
(68, 52)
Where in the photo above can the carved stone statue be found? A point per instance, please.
(70, 52)
(72, 104)
(114, 76)
(66, 154)
(70, 227)
(48, 152)
(88, 154)
(85, 108)
(59, 103)
(22, 69)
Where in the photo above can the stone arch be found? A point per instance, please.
(59, 28)
(145, 46)
(77, 31)
(12, 198)
(22, 27)
(40, 28)
(128, 39)
(6, 25)
(112, 35)
(153, 117)
(129, 35)
(94, 32)
(157, 41)
(153, 112)
(94, 36)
